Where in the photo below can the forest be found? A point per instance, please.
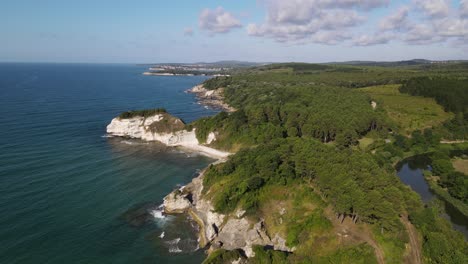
(267, 112)
(299, 127)
(142, 113)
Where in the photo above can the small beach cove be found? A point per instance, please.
(410, 172)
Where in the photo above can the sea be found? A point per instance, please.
(71, 194)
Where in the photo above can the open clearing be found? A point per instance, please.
(410, 112)
(461, 165)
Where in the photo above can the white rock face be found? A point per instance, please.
(226, 231)
(212, 220)
(139, 127)
(175, 203)
(211, 137)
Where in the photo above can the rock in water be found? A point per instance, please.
(176, 202)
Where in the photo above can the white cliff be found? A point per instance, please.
(145, 128)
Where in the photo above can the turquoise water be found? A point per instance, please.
(68, 194)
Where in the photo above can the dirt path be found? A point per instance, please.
(348, 232)
(452, 141)
(414, 254)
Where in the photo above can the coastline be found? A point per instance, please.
(206, 151)
(181, 74)
(211, 98)
(143, 128)
(216, 231)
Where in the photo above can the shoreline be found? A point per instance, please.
(444, 195)
(181, 74)
(211, 98)
(205, 151)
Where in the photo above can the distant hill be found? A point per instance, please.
(217, 64)
(412, 62)
(246, 64)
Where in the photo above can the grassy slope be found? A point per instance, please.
(409, 112)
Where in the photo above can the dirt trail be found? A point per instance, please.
(348, 232)
(414, 254)
(452, 141)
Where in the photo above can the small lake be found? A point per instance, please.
(410, 172)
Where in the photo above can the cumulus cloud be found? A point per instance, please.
(376, 39)
(434, 8)
(333, 22)
(188, 31)
(321, 21)
(297, 31)
(331, 37)
(464, 8)
(397, 21)
(451, 27)
(217, 21)
(438, 23)
(421, 34)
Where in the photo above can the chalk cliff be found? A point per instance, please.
(165, 129)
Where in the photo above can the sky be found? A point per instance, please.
(157, 31)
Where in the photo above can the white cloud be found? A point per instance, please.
(188, 31)
(397, 21)
(451, 27)
(311, 20)
(421, 34)
(334, 22)
(464, 8)
(331, 37)
(438, 24)
(368, 40)
(301, 11)
(217, 21)
(433, 8)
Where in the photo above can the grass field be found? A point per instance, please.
(409, 112)
(461, 165)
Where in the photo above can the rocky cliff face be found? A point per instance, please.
(218, 230)
(144, 128)
(211, 98)
(165, 129)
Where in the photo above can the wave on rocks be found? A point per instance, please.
(133, 142)
(158, 213)
(173, 245)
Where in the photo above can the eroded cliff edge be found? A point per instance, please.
(233, 231)
(164, 128)
(230, 232)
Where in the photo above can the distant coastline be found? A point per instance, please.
(149, 73)
(187, 70)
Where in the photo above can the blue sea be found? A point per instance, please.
(68, 193)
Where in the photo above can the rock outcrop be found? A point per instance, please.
(218, 230)
(165, 129)
(176, 203)
(211, 98)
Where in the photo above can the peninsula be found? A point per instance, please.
(305, 162)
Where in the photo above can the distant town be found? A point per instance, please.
(187, 69)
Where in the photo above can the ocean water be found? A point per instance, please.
(69, 194)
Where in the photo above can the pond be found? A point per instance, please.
(410, 172)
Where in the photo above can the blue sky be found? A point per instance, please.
(148, 31)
